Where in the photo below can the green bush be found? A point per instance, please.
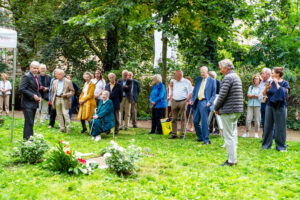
(32, 150)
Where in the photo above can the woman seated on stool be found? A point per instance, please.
(103, 119)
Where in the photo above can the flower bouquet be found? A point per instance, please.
(32, 150)
(65, 160)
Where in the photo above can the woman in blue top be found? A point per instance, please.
(158, 100)
(103, 120)
(253, 109)
(275, 115)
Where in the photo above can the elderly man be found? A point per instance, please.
(136, 88)
(45, 81)
(181, 94)
(230, 106)
(29, 88)
(61, 94)
(116, 95)
(266, 76)
(203, 98)
(52, 109)
(126, 84)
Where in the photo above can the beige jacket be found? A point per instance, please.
(68, 89)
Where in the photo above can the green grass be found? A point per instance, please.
(174, 170)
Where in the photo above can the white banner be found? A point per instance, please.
(8, 38)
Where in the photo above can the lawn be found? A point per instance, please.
(173, 170)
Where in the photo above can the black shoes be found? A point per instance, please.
(206, 143)
(226, 163)
(173, 137)
(152, 132)
(134, 126)
(83, 130)
(126, 129)
(199, 140)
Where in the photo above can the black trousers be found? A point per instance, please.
(29, 115)
(157, 114)
(52, 117)
(214, 125)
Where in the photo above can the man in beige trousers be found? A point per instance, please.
(61, 94)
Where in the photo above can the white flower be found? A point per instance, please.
(140, 148)
(16, 149)
(85, 171)
(107, 155)
(113, 143)
(39, 136)
(133, 140)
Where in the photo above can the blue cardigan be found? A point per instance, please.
(277, 97)
(158, 95)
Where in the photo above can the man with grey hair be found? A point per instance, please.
(29, 88)
(266, 76)
(203, 98)
(116, 95)
(230, 106)
(45, 81)
(181, 94)
(125, 109)
(135, 90)
(61, 94)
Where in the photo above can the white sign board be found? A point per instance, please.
(8, 38)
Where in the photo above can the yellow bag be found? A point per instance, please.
(166, 126)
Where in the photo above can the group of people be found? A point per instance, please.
(211, 105)
(215, 106)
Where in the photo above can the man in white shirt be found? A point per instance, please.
(181, 94)
(5, 92)
(266, 76)
(99, 85)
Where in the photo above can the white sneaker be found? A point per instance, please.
(93, 138)
(98, 137)
(245, 134)
(256, 135)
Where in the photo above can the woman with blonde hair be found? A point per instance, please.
(87, 101)
(253, 110)
(5, 92)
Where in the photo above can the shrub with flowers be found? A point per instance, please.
(122, 160)
(64, 160)
(32, 150)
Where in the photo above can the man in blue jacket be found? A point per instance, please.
(136, 88)
(203, 98)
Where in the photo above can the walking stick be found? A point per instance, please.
(188, 121)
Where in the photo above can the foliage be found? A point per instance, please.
(32, 150)
(293, 124)
(3, 67)
(64, 160)
(121, 160)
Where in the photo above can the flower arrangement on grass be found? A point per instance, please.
(62, 159)
(32, 150)
(122, 160)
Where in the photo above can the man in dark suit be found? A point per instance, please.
(136, 88)
(125, 109)
(116, 95)
(29, 88)
(203, 98)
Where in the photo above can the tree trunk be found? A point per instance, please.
(111, 58)
(164, 55)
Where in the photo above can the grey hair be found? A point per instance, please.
(106, 92)
(111, 74)
(55, 71)
(130, 73)
(204, 67)
(226, 63)
(213, 73)
(34, 63)
(43, 65)
(158, 77)
(124, 71)
(268, 70)
(89, 73)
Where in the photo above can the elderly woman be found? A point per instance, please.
(5, 91)
(87, 101)
(275, 117)
(158, 102)
(253, 109)
(103, 120)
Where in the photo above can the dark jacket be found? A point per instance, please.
(127, 90)
(136, 90)
(46, 83)
(116, 95)
(231, 95)
(28, 88)
(218, 84)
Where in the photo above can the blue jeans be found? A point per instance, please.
(201, 112)
(262, 114)
(275, 127)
